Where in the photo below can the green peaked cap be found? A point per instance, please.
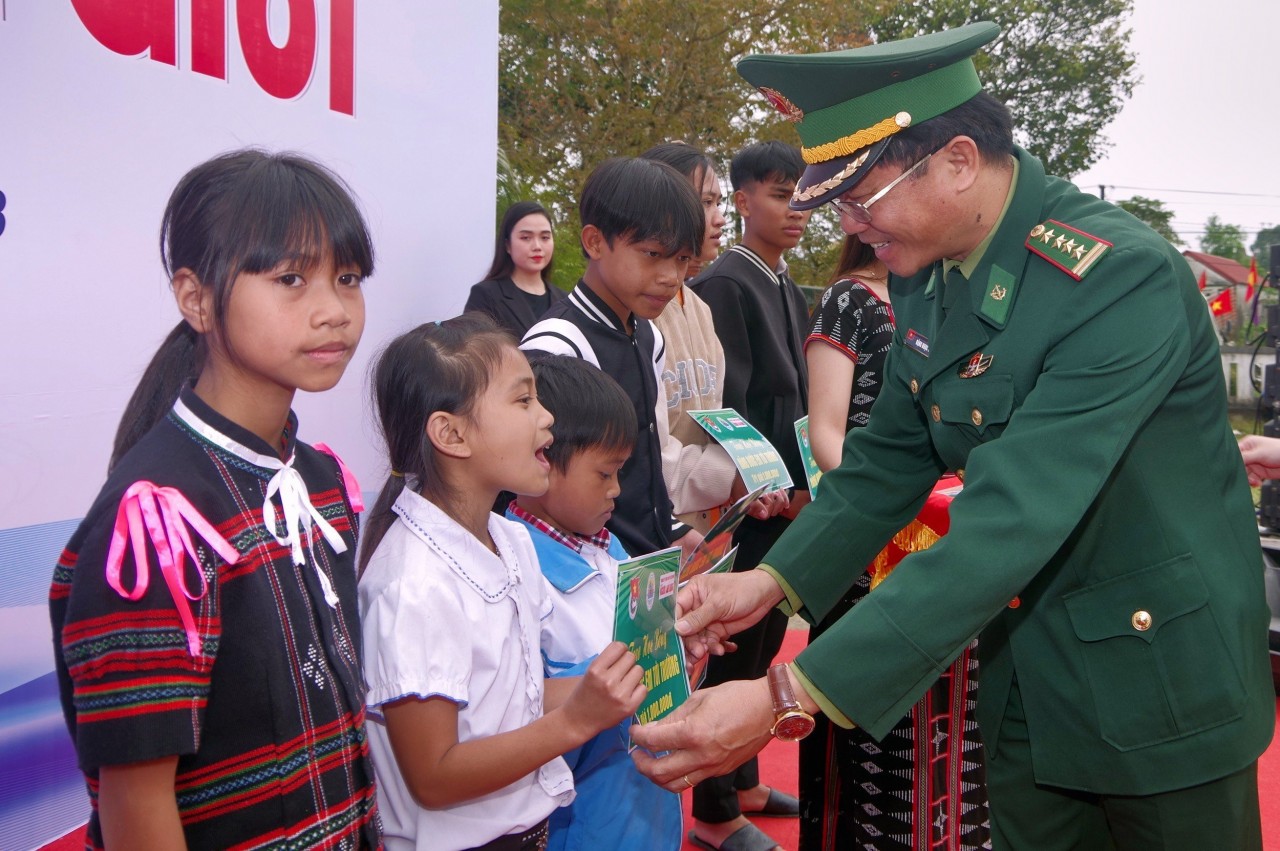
(847, 104)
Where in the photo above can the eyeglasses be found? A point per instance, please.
(861, 212)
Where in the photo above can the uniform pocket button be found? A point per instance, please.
(976, 416)
(937, 413)
(1141, 620)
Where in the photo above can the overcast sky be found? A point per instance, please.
(1202, 130)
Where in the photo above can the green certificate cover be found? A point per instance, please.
(645, 621)
(755, 457)
(811, 469)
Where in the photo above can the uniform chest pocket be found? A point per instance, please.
(980, 403)
(1157, 661)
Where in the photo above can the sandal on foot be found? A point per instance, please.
(749, 838)
(779, 805)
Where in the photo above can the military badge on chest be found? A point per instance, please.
(976, 365)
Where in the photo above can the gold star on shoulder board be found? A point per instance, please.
(1069, 248)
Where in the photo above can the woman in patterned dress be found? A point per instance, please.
(904, 792)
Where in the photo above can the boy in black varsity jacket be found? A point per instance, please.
(761, 319)
(641, 225)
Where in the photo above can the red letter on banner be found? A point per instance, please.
(342, 56)
(209, 37)
(282, 72)
(132, 27)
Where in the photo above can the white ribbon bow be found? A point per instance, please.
(299, 516)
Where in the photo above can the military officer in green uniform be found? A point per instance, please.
(1057, 354)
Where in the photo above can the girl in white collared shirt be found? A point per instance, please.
(465, 734)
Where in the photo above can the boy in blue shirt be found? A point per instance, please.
(594, 432)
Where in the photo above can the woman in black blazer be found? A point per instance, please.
(517, 290)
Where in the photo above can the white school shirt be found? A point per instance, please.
(441, 615)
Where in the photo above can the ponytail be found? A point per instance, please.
(174, 364)
(379, 520)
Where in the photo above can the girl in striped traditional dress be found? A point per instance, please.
(204, 612)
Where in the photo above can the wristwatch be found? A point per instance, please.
(791, 723)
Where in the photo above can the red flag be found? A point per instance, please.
(1221, 303)
(1203, 279)
(1252, 280)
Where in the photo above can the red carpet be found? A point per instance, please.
(778, 769)
(778, 764)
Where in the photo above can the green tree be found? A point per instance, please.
(1154, 214)
(581, 80)
(1224, 240)
(1063, 71)
(1261, 249)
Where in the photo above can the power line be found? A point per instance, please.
(1191, 191)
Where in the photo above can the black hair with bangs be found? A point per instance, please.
(766, 162)
(591, 409)
(640, 200)
(684, 158)
(246, 211)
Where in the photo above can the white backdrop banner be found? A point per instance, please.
(104, 105)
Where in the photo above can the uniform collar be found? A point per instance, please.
(595, 308)
(970, 263)
(486, 573)
(212, 428)
(571, 540)
(758, 261)
(560, 556)
(996, 267)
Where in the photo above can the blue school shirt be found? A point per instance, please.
(616, 807)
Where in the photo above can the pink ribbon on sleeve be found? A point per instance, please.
(166, 514)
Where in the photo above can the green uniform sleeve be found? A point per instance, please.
(1110, 360)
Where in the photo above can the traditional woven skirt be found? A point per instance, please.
(923, 786)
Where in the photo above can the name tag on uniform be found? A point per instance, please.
(918, 341)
